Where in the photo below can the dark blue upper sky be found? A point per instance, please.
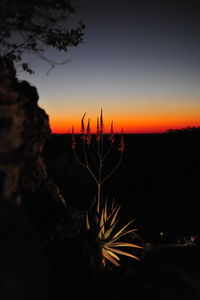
(139, 58)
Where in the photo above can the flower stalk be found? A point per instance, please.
(99, 150)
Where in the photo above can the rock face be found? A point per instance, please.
(31, 206)
(24, 129)
(37, 228)
(12, 117)
(23, 132)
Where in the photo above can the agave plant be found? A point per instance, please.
(103, 221)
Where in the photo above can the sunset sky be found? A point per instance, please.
(140, 61)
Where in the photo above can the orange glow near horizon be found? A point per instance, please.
(130, 124)
(151, 115)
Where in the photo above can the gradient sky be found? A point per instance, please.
(140, 61)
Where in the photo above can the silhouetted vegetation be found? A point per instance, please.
(54, 238)
(160, 172)
(32, 26)
(185, 130)
(157, 183)
(103, 217)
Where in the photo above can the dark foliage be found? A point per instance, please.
(185, 130)
(32, 26)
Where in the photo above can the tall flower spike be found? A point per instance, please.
(101, 122)
(112, 137)
(73, 139)
(122, 145)
(83, 126)
(111, 129)
(98, 130)
(88, 127)
(88, 133)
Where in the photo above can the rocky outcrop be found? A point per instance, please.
(32, 210)
(38, 231)
(24, 129)
(12, 117)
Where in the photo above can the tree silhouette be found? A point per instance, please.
(185, 130)
(34, 25)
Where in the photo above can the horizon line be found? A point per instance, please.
(128, 132)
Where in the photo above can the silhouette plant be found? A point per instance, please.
(102, 219)
(97, 149)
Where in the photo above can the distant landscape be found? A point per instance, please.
(99, 150)
(157, 182)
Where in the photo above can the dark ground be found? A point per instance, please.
(158, 184)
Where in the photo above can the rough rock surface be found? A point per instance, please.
(32, 209)
(24, 129)
(38, 231)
